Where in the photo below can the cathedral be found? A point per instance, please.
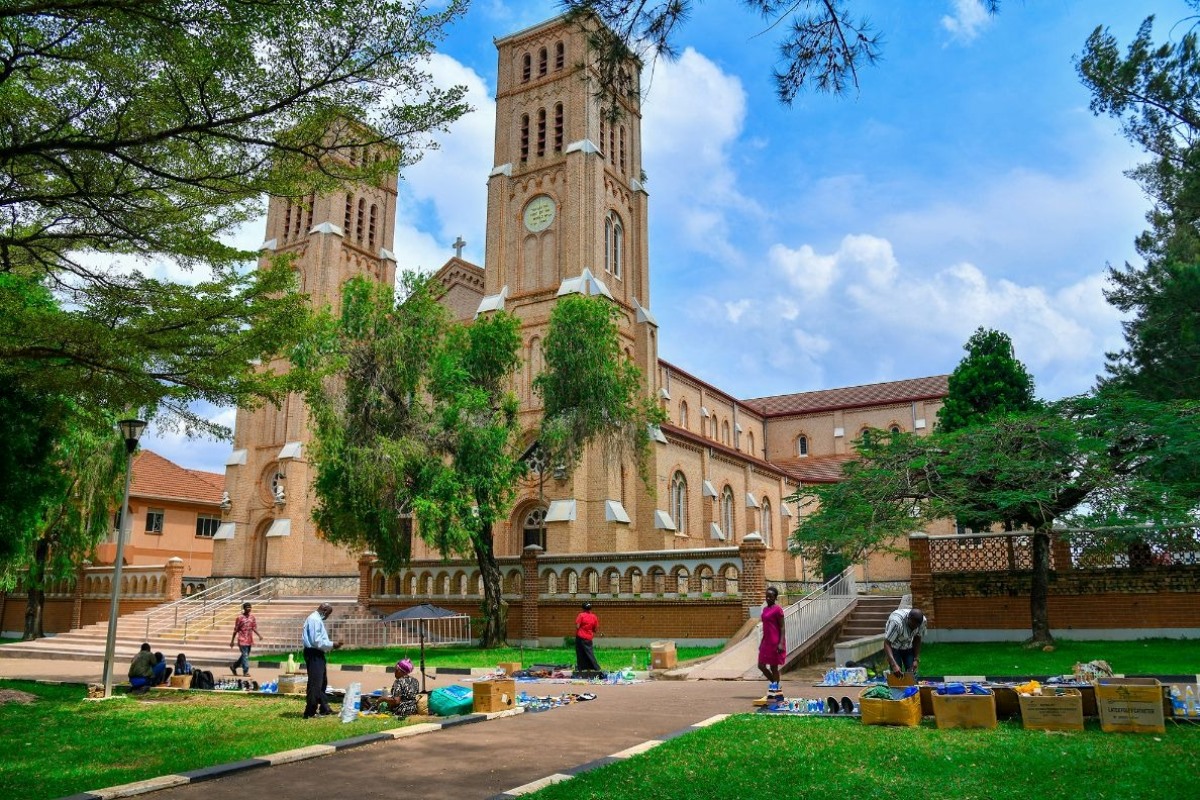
(566, 212)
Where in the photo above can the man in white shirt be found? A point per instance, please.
(316, 645)
(902, 639)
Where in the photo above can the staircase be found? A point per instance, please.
(862, 633)
(206, 642)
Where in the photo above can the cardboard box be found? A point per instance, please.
(181, 681)
(662, 655)
(1130, 705)
(1061, 710)
(905, 711)
(903, 679)
(494, 695)
(293, 684)
(964, 710)
(509, 667)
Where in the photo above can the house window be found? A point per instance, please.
(614, 241)
(894, 429)
(766, 521)
(679, 502)
(727, 512)
(560, 56)
(801, 445)
(154, 520)
(206, 525)
(533, 529)
(526, 68)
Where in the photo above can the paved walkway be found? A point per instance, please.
(482, 760)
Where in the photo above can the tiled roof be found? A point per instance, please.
(815, 469)
(155, 476)
(875, 394)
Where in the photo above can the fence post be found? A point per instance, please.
(530, 591)
(921, 575)
(753, 584)
(174, 588)
(365, 562)
(77, 606)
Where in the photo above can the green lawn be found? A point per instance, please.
(610, 658)
(1145, 656)
(63, 744)
(756, 755)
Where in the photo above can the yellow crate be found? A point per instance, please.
(905, 712)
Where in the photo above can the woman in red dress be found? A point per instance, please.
(772, 649)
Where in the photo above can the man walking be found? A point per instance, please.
(316, 645)
(902, 639)
(245, 628)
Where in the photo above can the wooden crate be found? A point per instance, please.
(494, 695)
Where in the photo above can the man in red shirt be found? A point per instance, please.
(586, 625)
(245, 628)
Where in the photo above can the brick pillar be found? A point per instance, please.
(1060, 553)
(77, 606)
(753, 582)
(530, 591)
(174, 588)
(365, 562)
(921, 582)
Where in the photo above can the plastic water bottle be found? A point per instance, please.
(1189, 701)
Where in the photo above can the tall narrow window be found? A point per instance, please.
(524, 137)
(683, 414)
(541, 140)
(371, 227)
(765, 527)
(543, 60)
(526, 67)
(622, 153)
(349, 215)
(679, 502)
(602, 132)
(801, 445)
(533, 529)
(560, 55)
(358, 224)
(612, 147)
(287, 222)
(727, 513)
(614, 235)
(558, 128)
(311, 206)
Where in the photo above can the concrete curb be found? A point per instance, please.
(604, 761)
(285, 757)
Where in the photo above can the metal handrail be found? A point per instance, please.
(155, 616)
(189, 619)
(809, 615)
(285, 635)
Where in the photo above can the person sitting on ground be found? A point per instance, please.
(161, 672)
(182, 667)
(902, 639)
(403, 699)
(141, 670)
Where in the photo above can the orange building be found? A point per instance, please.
(174, 512)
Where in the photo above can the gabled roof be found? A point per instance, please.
(815, 469)
(876, 394)
(158, 478)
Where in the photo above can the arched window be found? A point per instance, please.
(727, 513)
(371, 226)
(349, 216)
(362, 213)
(602, 133)
(801, 445)
(558, 127)
(894, 429)
(533, 529)
(622, 151)
(560, 55)
(765, 526)
(614, 243)
(526, 67)
(524, 137)
(683, 414)
(750, 442)
(712, 428)
(543, 61)
(287, 222)
(679, 502)
(541, 140)
(725, 431)
(612, 146)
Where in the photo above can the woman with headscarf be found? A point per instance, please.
(403, 698)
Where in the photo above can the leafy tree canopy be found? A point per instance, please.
(988, 382)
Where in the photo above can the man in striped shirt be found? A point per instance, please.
(902, 639)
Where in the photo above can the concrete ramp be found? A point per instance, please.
(737, 662)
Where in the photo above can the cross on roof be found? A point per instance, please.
(458, 246)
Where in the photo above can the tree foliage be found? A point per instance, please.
(988, 382)
(145, 131)
(1154, 91)
(823, 47)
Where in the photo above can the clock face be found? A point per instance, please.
(539, 214)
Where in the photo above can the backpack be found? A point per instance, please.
(203, 679)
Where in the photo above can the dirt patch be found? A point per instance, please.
(13, 696)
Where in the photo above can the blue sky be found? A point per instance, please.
(842, 240)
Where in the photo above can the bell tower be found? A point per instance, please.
(567, 212)
(267, 528)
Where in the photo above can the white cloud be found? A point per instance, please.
(735, 310)
(969, 17)
(806, 271)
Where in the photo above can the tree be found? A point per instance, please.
(151, 150)
(823, 49)
(1154, 91)
(988, 382)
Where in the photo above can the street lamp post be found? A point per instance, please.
(131, 431)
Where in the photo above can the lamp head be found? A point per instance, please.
(131, 431)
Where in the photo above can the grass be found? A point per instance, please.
(467, 656)
(64, 744)
(1142, 657)
(754, 755)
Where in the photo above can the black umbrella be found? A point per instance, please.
(420, 614)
